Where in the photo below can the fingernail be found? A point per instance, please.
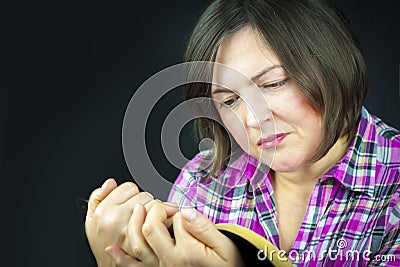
(110, 251)
(171, 206)
(106, 182)
(136, 208)
(189, 214)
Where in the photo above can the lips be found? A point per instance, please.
(271, 141)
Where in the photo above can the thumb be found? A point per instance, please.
(204, 230)
(120, 258)
(99, 195)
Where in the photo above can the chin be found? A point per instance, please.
(286, 163)
(267, 158)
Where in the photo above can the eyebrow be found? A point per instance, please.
(262, 72)
(254, 79)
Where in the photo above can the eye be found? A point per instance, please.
(229, 102)
(276, 85)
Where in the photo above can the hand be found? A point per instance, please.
(141, 253)
(109, 210)
(197, 242)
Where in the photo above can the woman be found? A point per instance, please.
(331, 192)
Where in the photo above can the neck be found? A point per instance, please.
(306, 177)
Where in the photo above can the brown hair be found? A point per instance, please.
(314, 43)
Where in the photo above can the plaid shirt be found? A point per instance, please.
(353, 215)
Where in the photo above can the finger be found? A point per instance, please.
(185, 239)
(100, 194)
(150, 204)
(122, 193)
(204, 230)
(140, 249)
(169, 221)
(171, 208)
(156, 233)
(182, 237)
(142, 198)
(121, 259)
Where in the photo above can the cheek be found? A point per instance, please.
(299, 112)
(307, 110)
(312, 119)
(310, 123)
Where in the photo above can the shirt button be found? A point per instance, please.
(250, 188)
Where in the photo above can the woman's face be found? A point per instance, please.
(274, 123)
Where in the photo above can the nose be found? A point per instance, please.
(257, 111)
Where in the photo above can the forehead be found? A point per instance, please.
(245, 56)
(247, 52)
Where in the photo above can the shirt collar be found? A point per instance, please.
(356, 170)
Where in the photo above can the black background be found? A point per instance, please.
(67, 72)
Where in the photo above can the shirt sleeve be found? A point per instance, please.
(184, 192)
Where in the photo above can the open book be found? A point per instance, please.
(255, 249)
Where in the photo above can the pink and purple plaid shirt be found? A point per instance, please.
(353, 215)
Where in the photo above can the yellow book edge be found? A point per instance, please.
(270, 252)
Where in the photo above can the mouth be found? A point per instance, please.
(271, 141)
